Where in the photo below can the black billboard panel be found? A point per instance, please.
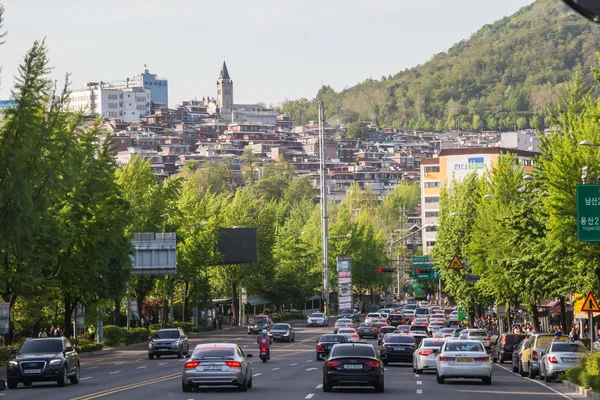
(238, 245)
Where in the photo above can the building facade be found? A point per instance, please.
(129, 104)
(159, 90)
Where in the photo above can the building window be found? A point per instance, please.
(430, 184)
(435, 199)
(431, 243)
(432, 228)
(432, 169)
(430, 214)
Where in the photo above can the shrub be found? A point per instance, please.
(154, 327)
(89, 347)
(573, 375)
(592, 364)
(586, 379)
(114, 336)
(136, 335)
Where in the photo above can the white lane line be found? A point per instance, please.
(139, 359)
(419, 391)
(310, 369)
(142, 367)
(163, 364)
(308, 360)
(114, 372)
(239, 338)
(292, 364)
(275, 369)
(417, 376)
(246, 346)
(386, 369)
(419, 382)
(309, 396)
(539, 383)
(260, 373)
(120, 362)
(90, 367)
(86, 378)
(319, 386)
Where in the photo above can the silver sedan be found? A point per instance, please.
(558, 357)
(217, 364)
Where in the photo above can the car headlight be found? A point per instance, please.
(151, 344)
(176, 343)
(56, 361)
(13, 364)
(286, 334)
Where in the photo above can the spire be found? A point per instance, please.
(224, 72)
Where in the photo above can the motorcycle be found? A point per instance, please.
(263, 355)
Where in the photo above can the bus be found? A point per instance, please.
(418, 290)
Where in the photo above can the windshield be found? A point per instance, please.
(478, 333)
(464, 346)
(421, 311)
(316, 315)
(41, 346)
(216, 352)
(166, 335)
(333, 338)
(280, 327)
(259, 321)
(353, 351)
(447, 330)
(347, 311)
(387, 329)
(347, 331)
(400, 339)
(566, 348)
(432, 343)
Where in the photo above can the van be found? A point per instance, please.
(533, 351)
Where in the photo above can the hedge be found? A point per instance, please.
(587, 374)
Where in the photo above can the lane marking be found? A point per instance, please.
(139, 359)
(311, 369)
(319, 386)
(309, 396)
(260, 373)
(90, 367)
(386, 369)
(417, 376)
(163, 364)
(308, 360)
(291, 365)
(86, 378)
(419, 382)
(114, 372)
(127, 387)
(275, 369)
(120, 362)
(142, 367)
(538, 382)
(419, 391)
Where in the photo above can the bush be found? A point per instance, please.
(114, 336)
(592, 364)
(4, 355)
(89, 347)
(136, 335)
(154, 327)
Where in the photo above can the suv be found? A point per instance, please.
(168, 341)
(258, 324)
(349, 313)
(44, 360)
(504, 346)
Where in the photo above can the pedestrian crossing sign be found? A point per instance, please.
(456, 264)
(590, 304)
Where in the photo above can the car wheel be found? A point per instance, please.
(318, 357)
(521, 372)
(180, 353)
(419, 371)
(12, 384)
(250, 384)
(487, 380)
(380, 388)
(75, 378)
(243, 387)
(294, 338)
(62, 378)
(385, 363)
(186, 387)
(547, 378)
(494, 359)
(150, 356)
(158, 356)
(439, 379)
(249, 333)
(515, 369)
(531, 374)
(326, 387)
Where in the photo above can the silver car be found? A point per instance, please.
(558, 357)
(317, 319)
(217, 364)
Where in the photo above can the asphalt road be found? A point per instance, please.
(292, 373)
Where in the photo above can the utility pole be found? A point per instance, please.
(324, 205)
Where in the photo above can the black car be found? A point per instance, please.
(367, 329)
(516, 355)
(44, 360)
(282, 332)
(349, 313)
(258, 324)
(326, 342)
(168, 342)
(384, 330)
(353, 364)
(504, 346)
(395, 319)
(397, 348)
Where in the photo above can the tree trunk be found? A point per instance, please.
(186, 302)
(234, 304)
(563, 314)
(140, 306)
(117, 312)
(536, 320)
(69, 304)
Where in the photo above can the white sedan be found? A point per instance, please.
(317, 319)
(424, 357)
(464, 359)
(350, 333)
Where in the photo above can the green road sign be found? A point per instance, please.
(422, 260)
(425, 274)
(588, 213)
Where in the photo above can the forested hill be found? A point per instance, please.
(504, 75)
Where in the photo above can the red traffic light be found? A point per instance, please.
(380, 270)
(418, 271)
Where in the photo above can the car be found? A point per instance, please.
(395, 318)
(384, 330)
(424, 357)
(503, 347)
(535, 345)
(444, 333)
(349, 313)
(342, 322)
(367, 329)
(419, 329)
(558, 357)
(259, 323)
(326, 342)
(402, 329)
(516, 355)
(350, 333)
(441, 318)
(282, 332)
(434, 327)
(384, 312)
(409, 316)
(478, 334)
(452, 323)
(463, 359)
(422, 313)
(317, 319)
(353, 364)
(379, 322)
(171, 341)
(217, 364)
(397, 348)
(420, 322)
(410, 301)
(43, 360)
(371, 316)
(424, 304)
(419, 337)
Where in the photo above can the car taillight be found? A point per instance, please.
(355, 336)
(359, 329)
(425, 352)
(534, 356)
(374, 364)
(445, 358)
(191, 364)
(552, 360)
(373, 330)
(320, 347)
(482, 359)
(233, 364)
(504, 341)
(332, 364)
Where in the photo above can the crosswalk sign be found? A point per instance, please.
(456, 264)
(590, 304)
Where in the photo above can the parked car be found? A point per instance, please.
(281, 332)
(317, 319)
(326, 342)
(533, 351)
(558, 357)
(44, 360)
(353, 364)
(503, 347)
(516, 355)
(217, 364)
(464, 359)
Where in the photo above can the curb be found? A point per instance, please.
(581, 390)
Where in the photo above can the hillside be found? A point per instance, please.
(504, 75)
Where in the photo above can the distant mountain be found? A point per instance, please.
(503, 76)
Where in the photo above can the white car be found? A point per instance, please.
(317, 319)
(464, 359)
(350, 333)
(385, 312)
(441, 318)
(478, 334)
(371, 316)
(433, 327)
(424, 357)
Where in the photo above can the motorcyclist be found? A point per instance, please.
(264, 342)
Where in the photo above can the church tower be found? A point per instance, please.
(224, 90)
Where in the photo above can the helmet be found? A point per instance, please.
(264, 332)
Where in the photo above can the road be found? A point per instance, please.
(292, 373)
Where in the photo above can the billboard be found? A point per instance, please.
(344, 267)
(155, 253)
(462, 165)
(238, 245)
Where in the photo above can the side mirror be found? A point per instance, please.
(13, 351)
(2, 384)
(188, 356)
(69, 349)
(249, 356)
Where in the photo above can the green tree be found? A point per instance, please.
(357, 130)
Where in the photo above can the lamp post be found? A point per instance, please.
(279, 244)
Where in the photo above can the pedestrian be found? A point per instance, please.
(574, 336)
(42, 333)
(51, 331)
(214, 323)
(220, 321)
(58, 332)
(557, 336)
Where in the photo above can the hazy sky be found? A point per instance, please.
(275, 49)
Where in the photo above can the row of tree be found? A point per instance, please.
(522, 240)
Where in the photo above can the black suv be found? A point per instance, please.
(258, 324)
(168, 342)
(43, 360)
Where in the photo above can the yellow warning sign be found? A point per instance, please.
(455, 264)
(590, 304)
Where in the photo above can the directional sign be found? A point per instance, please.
(456, 264)
(588, 213)
(472, 278)
(590, 304)
(422, 260)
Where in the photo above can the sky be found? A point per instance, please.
(274, 49)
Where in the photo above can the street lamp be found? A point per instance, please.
(279, 244)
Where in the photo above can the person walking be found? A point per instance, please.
(42, 333)
(573, 335)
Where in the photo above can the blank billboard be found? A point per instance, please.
(238, 245)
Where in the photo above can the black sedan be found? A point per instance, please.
(397, 348)
(326, 342)
(367, 329)
(353, 364)
(282, 332)
(258, 324)
(395, 319)
(44, 360)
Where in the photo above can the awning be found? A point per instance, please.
(223, 302)
(258, 300)
(314, 297)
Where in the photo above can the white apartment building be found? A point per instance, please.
(101, 99)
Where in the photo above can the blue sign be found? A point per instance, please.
(473, 163)
(344, 264)
(472, 278)
(7, 103)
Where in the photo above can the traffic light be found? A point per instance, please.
(388, 270)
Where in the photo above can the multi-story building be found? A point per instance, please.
(456, 164)
(159, 91)
(98, 98)
(520, 140)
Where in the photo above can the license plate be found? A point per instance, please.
(464, 360)
(32, 371)
(569, 360)
(163, 349)
(209, 367)
(353, 366)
